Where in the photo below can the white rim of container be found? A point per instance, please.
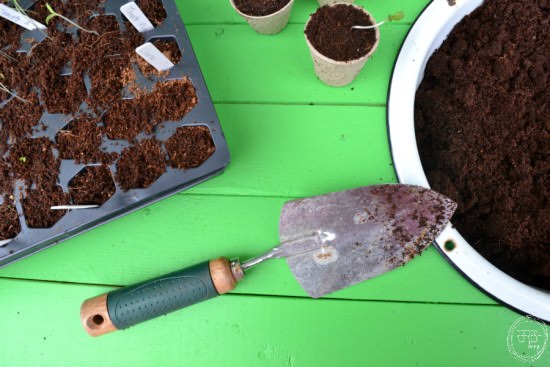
(427, 33)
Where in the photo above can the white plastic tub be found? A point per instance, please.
(426, 35)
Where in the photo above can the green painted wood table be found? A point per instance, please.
(289, 136)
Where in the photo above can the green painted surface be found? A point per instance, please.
(40, 328)
(290, 136)
(240, 65)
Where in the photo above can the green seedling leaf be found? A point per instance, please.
(23, 159)
(54, 14)
(392, 17)
(50, 17)
(396, 16)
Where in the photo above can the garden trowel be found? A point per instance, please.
(330, 242)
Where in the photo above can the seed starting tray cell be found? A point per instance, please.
(117, 199)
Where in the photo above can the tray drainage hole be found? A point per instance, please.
(449, 245)
(96, 321)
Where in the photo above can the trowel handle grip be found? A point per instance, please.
(140, 302)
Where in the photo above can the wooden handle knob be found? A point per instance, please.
(224, 274)
(95, 316)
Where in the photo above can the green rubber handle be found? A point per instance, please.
(156, 297)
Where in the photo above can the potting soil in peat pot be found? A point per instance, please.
(330, 32)
(482, 119)
(260, 8)
(86, 121)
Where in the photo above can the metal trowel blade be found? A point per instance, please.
(368, 231)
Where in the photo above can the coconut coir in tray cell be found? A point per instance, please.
(94, 127)
(483, 129)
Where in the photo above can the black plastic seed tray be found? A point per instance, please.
(31, 240)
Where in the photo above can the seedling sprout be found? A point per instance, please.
(24, 12)
(4, 88)
(7, 56)
(53, 14)
(392, 17)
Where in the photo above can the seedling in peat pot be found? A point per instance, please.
(392, 17)
(53, 14)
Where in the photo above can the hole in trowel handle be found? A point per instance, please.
(95, 321)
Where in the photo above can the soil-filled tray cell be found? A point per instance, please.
(37, 204)
(93, 185)
(140, 165)
(190, 146)
(169, 48)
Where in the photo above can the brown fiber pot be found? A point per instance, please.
(339, 73)
(267, 24)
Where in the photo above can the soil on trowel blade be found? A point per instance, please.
(483, 129)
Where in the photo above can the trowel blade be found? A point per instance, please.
(371, 229)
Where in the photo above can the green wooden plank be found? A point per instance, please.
(240, 65)
(188, 229)
(40, 327)
(296, 151)
(220, 11)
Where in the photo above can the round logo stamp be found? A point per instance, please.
(527, 339)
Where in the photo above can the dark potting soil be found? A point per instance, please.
(483, 129)
(6, 179)
(33, 161)
(37, 203)
(166, 108)
(260, 8)
(107, 58)
(9, 225)
(154, 10)
(10, 33)
(93, 185)
(81, 139)
(190, 146)
(330, 32)
(128, 117)
(18, 118)
(140, 165)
